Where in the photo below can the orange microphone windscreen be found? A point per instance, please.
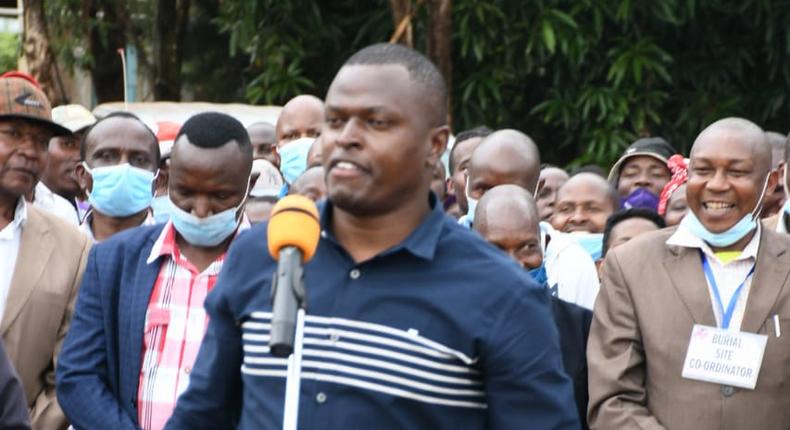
(294, 222)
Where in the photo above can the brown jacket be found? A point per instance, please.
(48, 272)
(771, 222)
(651, 296)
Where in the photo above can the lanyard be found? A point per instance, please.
(726, 316)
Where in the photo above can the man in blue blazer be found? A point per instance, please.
(140, 319)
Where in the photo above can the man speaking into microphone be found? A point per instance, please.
(412, 321)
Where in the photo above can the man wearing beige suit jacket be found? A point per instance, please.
(655, 290)
(41, 257)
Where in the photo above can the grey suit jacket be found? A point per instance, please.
(47, 276)
(651, 296)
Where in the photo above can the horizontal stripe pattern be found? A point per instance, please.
(370, 357)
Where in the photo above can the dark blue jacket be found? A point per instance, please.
(98, 368)
(573, 324)
(13, 406)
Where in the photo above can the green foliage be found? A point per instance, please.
(9, 51)
(587, 77)
(296, 46)
(583, 77)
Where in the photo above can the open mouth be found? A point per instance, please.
(718, 207)
(346, 169)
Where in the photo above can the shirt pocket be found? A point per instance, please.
(776, 360)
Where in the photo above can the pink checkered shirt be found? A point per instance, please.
(175, 323)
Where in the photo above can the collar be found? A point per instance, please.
(684, 238)
(20, 216)
(422, 242)
(42, 192)
(780, 223)
(85, 225)
(166, 245)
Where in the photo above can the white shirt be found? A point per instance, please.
(10, 239)
(780, 224)
(45, 199)
(571, 272)
(728, 276)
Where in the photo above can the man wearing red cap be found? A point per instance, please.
(41, 257)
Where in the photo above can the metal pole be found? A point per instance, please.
(294, 376)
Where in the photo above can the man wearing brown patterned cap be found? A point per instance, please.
(41, 256)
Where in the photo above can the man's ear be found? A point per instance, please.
(773, 181)
(84, 178)
(160, 184)
(439, 136)
(541, 184)
(448, 186)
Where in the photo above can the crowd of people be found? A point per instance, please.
(459, 282)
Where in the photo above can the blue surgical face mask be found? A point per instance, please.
(120, 190)
(733, 234)
(591, 242)
(539, 275)
(205, 232)
(161, 208)
(293, 158)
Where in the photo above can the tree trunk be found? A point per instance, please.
(401, 10)
(107, 71)
(171, 21)
(439, 40)
(38, 54)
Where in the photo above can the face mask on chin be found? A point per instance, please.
(735, 233)
(539, 275)
(208, 231)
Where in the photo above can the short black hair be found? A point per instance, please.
(479, 131)
(215, 129)
(125, 115)
(420, 69)
(620, 216)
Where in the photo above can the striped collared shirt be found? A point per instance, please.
(441, 331)
(175, 323)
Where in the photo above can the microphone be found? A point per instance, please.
(293, 235)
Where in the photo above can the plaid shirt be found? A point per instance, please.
(175, 323)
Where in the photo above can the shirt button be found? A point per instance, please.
(320, 397)
(727, 390)
(334, 337)
(354, 274)
(187, 370)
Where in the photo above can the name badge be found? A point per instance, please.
(724, 357)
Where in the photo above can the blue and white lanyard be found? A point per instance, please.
(726, 315)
